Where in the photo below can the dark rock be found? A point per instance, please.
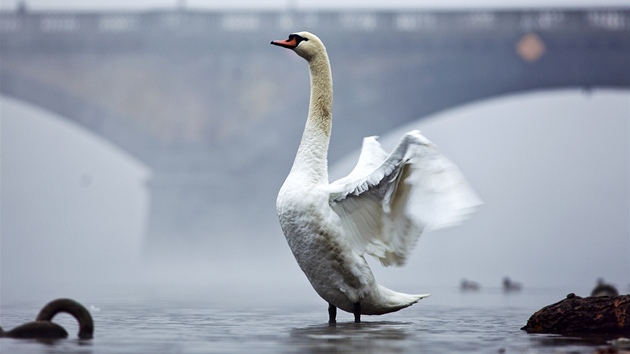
(578, 315)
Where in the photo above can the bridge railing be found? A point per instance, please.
(125, 23)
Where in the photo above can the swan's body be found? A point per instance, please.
(380, 208)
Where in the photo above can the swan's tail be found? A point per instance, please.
(391, 301)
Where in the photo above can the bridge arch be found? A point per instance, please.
(82, 111)
(559, 100)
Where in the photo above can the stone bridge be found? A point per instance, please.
(216, 112)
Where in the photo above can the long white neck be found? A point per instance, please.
(311, 158)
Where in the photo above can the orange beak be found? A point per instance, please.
(286, 43)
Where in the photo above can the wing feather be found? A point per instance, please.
(387, 201)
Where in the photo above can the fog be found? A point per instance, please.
(551, 166)
(553, 169)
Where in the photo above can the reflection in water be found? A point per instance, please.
(571, 343)
(382, 337)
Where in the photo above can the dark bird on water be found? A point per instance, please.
(43, 328)
(604, 289)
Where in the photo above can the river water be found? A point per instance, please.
(449, 321)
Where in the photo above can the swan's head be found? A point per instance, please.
(305, 44)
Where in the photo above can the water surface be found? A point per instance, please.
(488, 321)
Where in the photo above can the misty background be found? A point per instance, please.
(552, 166)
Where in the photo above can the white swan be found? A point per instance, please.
(380, 208)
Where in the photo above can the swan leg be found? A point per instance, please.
(332, 314)
(357, 312)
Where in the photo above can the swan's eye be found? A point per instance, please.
(297, 38)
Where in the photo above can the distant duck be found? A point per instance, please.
(380, 208)
(510, 286)
(42, 328)
(467, 285)
(603, 289)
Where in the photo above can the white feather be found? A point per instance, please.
(386, 202)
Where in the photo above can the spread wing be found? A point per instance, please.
(387, 201)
